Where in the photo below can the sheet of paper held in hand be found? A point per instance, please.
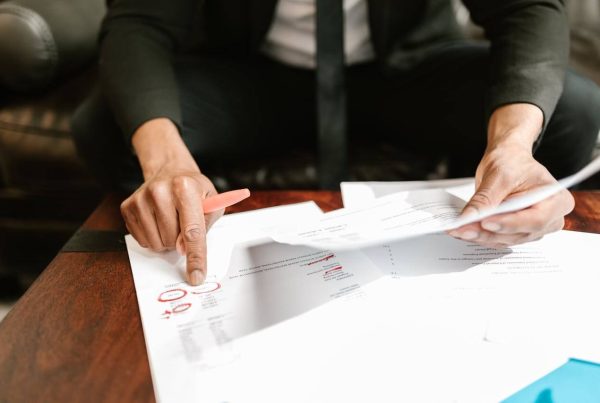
(405, 215)
(276, 322)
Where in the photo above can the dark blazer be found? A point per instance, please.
(139, 38)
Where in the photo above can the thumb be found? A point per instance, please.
(488, 194)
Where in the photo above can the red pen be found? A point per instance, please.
(215, 203)
(223, 200)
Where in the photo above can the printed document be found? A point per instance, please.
(406, 215)
(427, 319)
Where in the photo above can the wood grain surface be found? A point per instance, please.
(76, 335)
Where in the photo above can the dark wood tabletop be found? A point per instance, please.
(76, 334)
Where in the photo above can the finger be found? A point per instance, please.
(193, 229)
(495, 240)
(546, 216)
(147, 220)
(179, 245)
(489, 194)
(466, 232)
(133, 225)
(210, 219)
(165, 214)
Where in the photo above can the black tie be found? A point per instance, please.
(331, 93)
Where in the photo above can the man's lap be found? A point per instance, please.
(233, 108)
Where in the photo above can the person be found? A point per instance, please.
(191, 83)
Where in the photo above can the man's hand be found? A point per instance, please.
(508, 169)
(169, 203)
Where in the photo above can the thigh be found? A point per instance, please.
(231, 109)
(437, 109)
(238, 109)
(572, 132)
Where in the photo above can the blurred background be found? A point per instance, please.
(47, 66)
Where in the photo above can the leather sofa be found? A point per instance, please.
(47, 49)
(47, 58)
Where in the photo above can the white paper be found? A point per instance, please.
(431, 319)
(191, 332)
(398, 216)
(360, 194)
(406, 215)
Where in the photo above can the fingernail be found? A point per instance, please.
(468, 235)
(491, 226)
(196, 277)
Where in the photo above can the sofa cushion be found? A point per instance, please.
(42, 40)
(36, 149)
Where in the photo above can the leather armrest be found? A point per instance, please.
(42, 40)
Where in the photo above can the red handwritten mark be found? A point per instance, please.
(334, 269)
(326, 258)
(206, 288)
(177, 293)
(178, 309)
(182, 307)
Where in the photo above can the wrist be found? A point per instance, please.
(157, 144)
(514, 142)
(515, 126)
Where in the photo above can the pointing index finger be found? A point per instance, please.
(193, 229)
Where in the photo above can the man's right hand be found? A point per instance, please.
(169, 203)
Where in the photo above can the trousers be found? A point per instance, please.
(234, 108)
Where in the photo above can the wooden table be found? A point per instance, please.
(76, 335)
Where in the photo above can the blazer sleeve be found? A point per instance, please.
(529, 51)
(138, 39)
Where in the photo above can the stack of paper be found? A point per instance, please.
(426, 319)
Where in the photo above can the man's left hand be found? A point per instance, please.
(505, 172)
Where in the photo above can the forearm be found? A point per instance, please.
(157, 143)
(528, 53)
(139, 84)
(137, 43)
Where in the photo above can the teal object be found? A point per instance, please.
(576, 381)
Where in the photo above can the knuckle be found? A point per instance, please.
(168, 241)
(128, 211)
(156, 247)
(132, 205)
(125, 213)
(181, 184)
(193, 233)
(481, 198)
(142, 243)
(157, 191)
(124, 207)
(195, 259)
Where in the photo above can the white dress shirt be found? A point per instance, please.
(291, 38)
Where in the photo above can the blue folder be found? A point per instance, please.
(576, 381)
